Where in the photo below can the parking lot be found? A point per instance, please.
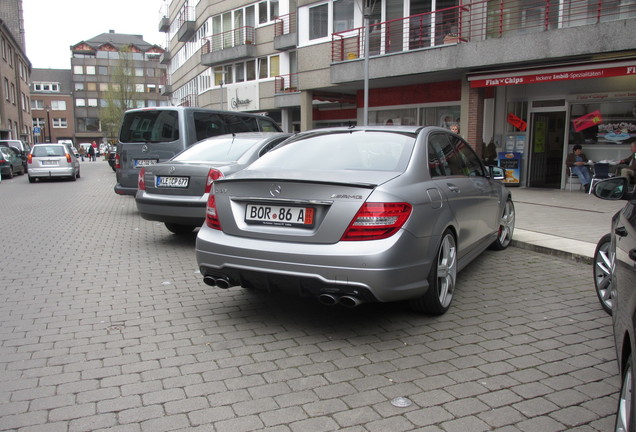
(105, 324)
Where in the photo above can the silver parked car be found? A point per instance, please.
(52, 161)
(353, 215)
(175, 192)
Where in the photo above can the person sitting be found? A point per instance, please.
(629, 170)
(576, 162)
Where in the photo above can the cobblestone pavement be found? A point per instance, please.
(105, 324)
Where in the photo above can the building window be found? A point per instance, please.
(139, 88)
(12, 93)
(58, 105)
(90, 70)
(103, 87)
(59, 122)
(4, 49)
(139, 72)
(342, 15)
(150, 72)
(37, 104)
(318, 21)
(38, 122)
(78, 70)
(102, 70)
(92, 102)
(6, 89)
(80, 102)
(87, 124)
(79, 86)
(91, 86)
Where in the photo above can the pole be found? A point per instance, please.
(221, 84)
(48, 122)
(365, 111)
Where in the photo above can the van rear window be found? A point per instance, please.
(150, 126)
(213, 124)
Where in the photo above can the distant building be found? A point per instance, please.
(15, 69)
(93, 63)
(52, 105)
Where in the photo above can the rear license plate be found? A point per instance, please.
(176, 182)
(278, 215)
(49, 162)
(145, 162)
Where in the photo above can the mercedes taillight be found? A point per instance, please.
(141, 183)
(375, 221)
(211, 215)
(213, 174)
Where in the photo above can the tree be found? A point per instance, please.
(120, 96)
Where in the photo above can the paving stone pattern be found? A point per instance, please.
(105, 324)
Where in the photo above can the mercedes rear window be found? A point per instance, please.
(155, 126)
(355, 150)
(216, 150)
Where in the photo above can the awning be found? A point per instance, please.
(558, 73)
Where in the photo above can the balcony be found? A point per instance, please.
(285, 33)
(189, 100)
(232, 45)
(185, 24)
(165, 57)
(164, 24)
(480, 21)
(284, 84)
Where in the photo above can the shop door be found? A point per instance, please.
(546, 149)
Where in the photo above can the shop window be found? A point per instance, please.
(519, 109)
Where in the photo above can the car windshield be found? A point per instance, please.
(218, 150)
(347, 150)
(48, 151)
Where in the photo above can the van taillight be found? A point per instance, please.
(117, 165)
(213, 174)
(141, 183)
(211, 215)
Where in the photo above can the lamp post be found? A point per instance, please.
(48, 122)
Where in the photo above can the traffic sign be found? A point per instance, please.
(36, 130)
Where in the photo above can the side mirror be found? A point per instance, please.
(497, 173)
(615, 188)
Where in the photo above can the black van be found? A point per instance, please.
(151, 135)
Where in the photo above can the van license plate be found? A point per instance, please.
(145, 162)
(178, 182)
(281, 216)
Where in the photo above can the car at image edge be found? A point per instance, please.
(354, 215)
(621, 284)
(10, 162)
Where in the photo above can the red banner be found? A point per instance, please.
(587, 121)
(517, 122)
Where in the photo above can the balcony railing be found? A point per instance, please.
(185, 14)
(228, 39)
(285, 24)
(474, 22)
(286, 83)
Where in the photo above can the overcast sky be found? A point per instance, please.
(53, 26)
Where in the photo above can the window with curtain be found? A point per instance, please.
(318, 21)
(342, 15)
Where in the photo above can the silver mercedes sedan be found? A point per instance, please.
(354, 215)
(175, 192)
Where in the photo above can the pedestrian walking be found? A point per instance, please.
(91, 153)
(82, 152)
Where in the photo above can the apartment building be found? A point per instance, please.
(94, 66)
(52, 105)
(15, 69)
(528, 78)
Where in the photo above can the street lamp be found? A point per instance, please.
(48, 122)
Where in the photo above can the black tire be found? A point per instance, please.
(442, 279)
(10, 175)
(602, 270)
(31, 179)
(78, 173)
(625, 413)
(179, 229)
(506, 227)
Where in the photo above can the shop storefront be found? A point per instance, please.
(541, 114)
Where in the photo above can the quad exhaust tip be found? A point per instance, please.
(346, 300)
(222, 282)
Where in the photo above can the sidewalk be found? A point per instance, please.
(560, 222)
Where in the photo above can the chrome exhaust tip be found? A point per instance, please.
(328, 299)
(350, 302)
(209, 280)
(223, 282)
